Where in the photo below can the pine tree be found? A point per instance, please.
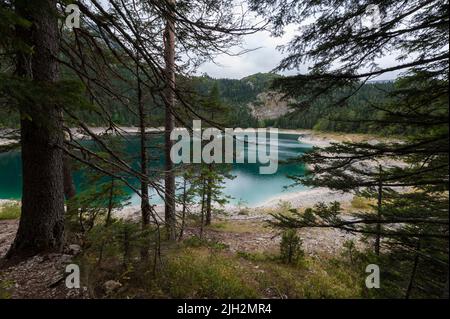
(213, 174)
(412, 187)
(41, 225)
(169, 185)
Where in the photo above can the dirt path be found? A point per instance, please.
(40, 277)
(8, 230)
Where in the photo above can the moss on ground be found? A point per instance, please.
(9, 210)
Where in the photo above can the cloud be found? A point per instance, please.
(266, 57)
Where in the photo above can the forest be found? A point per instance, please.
(93, 205)
(237, 94)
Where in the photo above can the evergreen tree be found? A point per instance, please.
(213, 175)
(41, 225)
(415, 214)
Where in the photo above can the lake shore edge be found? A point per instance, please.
(299, 199)
(308, 136)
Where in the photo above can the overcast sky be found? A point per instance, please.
(264, 59)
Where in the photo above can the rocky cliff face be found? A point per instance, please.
(269, 105)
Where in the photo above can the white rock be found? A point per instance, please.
(74, 249)
(111, 286)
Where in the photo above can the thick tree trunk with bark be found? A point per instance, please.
(41, 225)
(169, 57)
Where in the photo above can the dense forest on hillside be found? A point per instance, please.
(319, 114)
(353, 115)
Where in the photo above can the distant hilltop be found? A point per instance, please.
(255, 94)
(253, 91)
(380, 81)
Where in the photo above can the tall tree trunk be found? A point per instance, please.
(183, 211)
(169, 58)
(202, 209)
(379, 212)
(41, 224)
(145, 203)
(208, 196)
(110, 203)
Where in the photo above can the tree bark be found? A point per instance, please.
(169, 58)
(183, 211)
(41, 224)
(145, 202)
(208, 197)
(202, 209)
(110, 202)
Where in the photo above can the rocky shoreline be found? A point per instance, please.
(298, 199)
(306, 136)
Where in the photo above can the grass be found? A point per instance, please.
(206, 268)
(361, 203)
(5, 287)
(202, 273)
(202, 269)
(313, 278)
(310, 277)
(195, 241)
(240, 226)
(9, 210)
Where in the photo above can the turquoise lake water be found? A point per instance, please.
(248, 187)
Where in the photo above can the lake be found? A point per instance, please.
(248, 187)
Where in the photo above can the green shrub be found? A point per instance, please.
(290, 247)
(196, 274)
(10, 211)
(361, 203)
(122, 239)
